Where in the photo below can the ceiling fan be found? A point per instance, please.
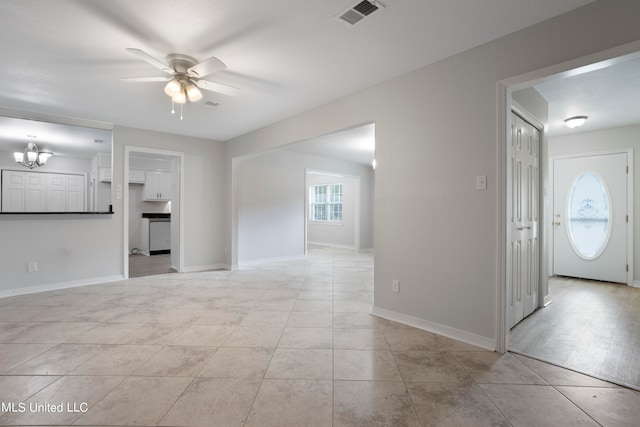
(185, 75)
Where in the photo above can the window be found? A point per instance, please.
(325, 203)
(589, 214)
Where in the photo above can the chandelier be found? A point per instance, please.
(31, 157)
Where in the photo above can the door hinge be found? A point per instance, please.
(627, 267)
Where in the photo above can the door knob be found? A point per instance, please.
(557, 223)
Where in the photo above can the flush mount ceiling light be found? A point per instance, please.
(575, 122)
(31, 157)
(185, 80)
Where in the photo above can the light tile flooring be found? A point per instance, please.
(282, 344)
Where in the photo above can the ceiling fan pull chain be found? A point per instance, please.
(173, 110)
(181, 108)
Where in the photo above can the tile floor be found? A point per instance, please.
(282, 344)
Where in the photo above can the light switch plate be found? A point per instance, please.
(481, 182)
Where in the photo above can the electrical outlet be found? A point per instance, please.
(32, 266)
(395, 286)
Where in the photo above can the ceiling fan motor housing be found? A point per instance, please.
(181, 63)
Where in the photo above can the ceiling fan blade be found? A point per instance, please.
(206, 67)
(151, 60)
(145, 79)
(217, 87)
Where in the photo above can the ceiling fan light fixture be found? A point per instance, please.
(575, 122)
(193, 93)
(173, 88)
(180, 98)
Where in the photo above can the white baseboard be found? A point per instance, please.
(436, 328)
(57, 286)
(205, 267)
(331, 245)
(266, 260)
(636, 284)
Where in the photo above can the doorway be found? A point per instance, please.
(152, 208)
(548, 219)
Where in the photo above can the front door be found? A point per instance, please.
(590, 217)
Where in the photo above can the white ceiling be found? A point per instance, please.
(609, 96)
(65, 57)
(61, 140)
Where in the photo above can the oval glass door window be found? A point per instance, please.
(589, 216)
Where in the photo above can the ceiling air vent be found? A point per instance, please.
(358, 11)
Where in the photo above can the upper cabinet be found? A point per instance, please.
(157, 187)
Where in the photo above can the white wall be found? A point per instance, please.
(271, 203)
(342, 234)
(435, 131)
(82, 249)
(602, 140)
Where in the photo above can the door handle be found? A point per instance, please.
(557, 223)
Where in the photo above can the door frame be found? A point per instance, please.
(504, 89)
(630, 210)
(128, 149)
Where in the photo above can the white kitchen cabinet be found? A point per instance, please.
(157, 187)
(104, 174)
(42, 192)
(137, 176)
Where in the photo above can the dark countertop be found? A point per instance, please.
(156, 215)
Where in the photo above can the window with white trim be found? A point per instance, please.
(325, 203)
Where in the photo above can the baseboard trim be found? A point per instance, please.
(436, 328)
(206, 267)
(61, 285)
(331, 245)
(267, 260)
(636, 284)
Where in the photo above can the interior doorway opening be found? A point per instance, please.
(153, 206)
(592, 139)
(271, 196)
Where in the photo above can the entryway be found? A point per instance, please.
(582, 322)
(590, 326)
(152, 208)
(590, 216)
